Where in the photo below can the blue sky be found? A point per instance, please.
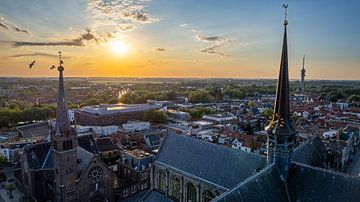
(181, 38)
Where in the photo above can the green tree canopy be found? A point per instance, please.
(155, 116)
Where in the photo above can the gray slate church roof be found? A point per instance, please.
(217, 164)
(265, 185)
(311, 153)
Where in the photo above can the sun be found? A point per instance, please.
(118, 47)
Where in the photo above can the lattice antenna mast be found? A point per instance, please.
(285, 6)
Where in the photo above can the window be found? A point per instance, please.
(191, 192)
(162, 181)
(175, 188)
(207, 196)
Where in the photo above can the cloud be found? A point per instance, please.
(214, 48)
(218, 43)
(3, 25)
(159, 49)
(207, 38)
(11, 27)
(82, 40)
(120, 15)
(34, 54)
(21, 30)
(183, 25)
(138, 17)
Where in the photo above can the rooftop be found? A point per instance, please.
(117, 108)
(138, 153)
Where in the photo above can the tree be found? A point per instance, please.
(252, 104)
(10, 188)
(200, 96)
(114, 101)
(354, 98)
(3, 161)
(335, 96)
(268, 113)
(155, 116)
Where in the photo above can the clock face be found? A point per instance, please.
(95, 174)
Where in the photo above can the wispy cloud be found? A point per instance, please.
(7, 26)
(159, 49)
(218, 43)
(34, 54)
(82, 40)
(207, 38)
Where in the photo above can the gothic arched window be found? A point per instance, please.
(191, 193)
(207, 196)
(162, 181)
(175, 188)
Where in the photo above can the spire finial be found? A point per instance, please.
(60, 68)
(285, 6)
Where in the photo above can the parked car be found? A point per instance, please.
(2, 186)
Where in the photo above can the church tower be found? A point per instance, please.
(302, 82)
(64, 142)
(280, 131)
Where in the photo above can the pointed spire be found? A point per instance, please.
(282, 106)
(62, 114)
(280, 131)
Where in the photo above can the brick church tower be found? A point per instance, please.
(64, 142)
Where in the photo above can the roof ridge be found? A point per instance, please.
(345, 175)
(244, 182)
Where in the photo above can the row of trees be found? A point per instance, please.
(11, 117)
(136, 97)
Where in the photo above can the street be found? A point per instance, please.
(4, 196)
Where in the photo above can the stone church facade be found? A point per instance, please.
(68, 167)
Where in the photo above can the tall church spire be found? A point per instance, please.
(280, 130)
(62, 114)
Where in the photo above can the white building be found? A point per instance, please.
(133, 126)
(98, 130)
(71, 115)
(220, 118)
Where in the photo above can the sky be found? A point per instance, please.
(179, 38)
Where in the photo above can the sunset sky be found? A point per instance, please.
(179, 38)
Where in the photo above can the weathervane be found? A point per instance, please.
(285, 6)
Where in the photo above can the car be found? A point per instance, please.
(2, 186)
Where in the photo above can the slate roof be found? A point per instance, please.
(49, 160)
(36, 154)
(153, 196)
(311, 153)
(36, 129)
(266, 185)
(88, 143)
(217, 164)
(105, 144)
(45, 157)
(84, 158)
(308, 183)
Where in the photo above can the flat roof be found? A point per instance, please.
(117, 108)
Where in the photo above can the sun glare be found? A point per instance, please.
(118, 47)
